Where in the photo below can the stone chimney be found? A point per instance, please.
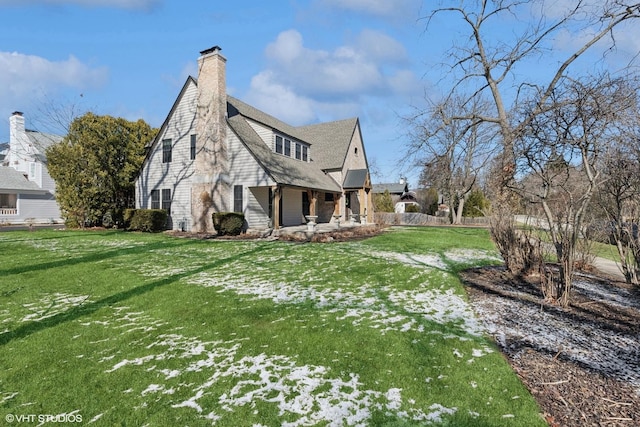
(211, 189)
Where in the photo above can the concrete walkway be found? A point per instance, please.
(608, 267)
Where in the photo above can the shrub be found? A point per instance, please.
(149, 220)
(228, 223)
(383, 202)
(476, 205)
(411, 209)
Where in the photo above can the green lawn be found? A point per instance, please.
(140, 329)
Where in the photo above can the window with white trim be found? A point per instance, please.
(32, 171)
(291, 148)
(166, 200)
(237, 198)
(155, 199)
(166, 151)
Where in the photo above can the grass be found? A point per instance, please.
(145, 329)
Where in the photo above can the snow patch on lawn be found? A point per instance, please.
(51, 305)
(305, 394)
(471, 256)
(367, 304)
(440, 306)
(7, 396)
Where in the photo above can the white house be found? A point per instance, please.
(27, 191)
(215, 153)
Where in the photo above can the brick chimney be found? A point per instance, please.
(19, 151)
(211, 189)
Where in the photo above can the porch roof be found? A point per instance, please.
(13, 181)
(355, 178)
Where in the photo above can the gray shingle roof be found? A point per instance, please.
(330, 141)
(237, 106)
(41, 141)
(394, 188)
(12, 180)
(284, 170)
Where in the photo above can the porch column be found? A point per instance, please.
(313, 200)
(336, 204)
(363, 201)
(277, 194)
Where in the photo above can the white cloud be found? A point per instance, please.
(301, 84)
(365, 67)
(393, 10)
(267, 94)
(116, 4)
(26, 77)
(380, 47)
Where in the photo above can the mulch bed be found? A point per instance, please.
(570, 389)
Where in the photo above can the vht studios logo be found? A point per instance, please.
(43, 418)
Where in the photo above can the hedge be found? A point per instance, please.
(149, 220)
(228, 223)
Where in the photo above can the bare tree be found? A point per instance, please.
(559, 153)
(453, 152)
(619, 197)
(482, 63)
(486, 65)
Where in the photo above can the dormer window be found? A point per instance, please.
(290, 148)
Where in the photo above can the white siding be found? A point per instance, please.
(243, 167)
(47, 182)
(177, 174)
(39, 208)
(292, 207)
(265, 133)
(257, 210)
(246, 171)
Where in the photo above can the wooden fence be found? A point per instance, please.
(424, 219)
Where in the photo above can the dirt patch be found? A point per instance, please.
(582, 364)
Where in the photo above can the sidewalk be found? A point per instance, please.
(608, 267)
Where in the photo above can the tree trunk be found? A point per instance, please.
(457, 219)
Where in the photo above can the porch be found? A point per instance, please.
(304, 230)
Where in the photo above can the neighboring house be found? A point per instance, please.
(214, 153)
(4, 150)
(27, 191)
(400, 194)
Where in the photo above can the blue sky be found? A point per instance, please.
(302, 61)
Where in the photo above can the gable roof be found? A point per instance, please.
(175, 105)
(330, 141)
(41, 140)
(12, 180)
(394, 188)
(235, 106)
(282, 169)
